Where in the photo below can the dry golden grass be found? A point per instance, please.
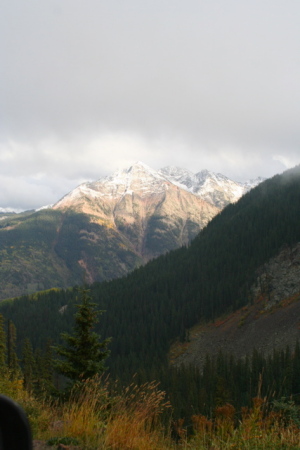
(83, 415)
(256, 430)
(134, 422)
(38, 412)
(98, 420)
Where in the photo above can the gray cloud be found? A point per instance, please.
(86, 88)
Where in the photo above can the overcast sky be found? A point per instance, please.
(87, 87)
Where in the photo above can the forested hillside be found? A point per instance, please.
(45, 249)
(103, 230)
(149, 308)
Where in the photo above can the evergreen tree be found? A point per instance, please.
(296, 370)
(44, 370)
(48, 364)
(12, 359)
(29, 366)
(83, 354)
(2, 344)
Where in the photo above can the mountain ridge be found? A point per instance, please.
(229, 286)
(103, 230)
(199, 184)
(144, 207)
(211, 278)
(270, 320)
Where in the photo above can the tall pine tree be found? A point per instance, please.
(83, 354)
(29, 365)
(2, 344)
(12, 358)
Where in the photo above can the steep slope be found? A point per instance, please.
(144, 207)
(215, 275)
(270, 320)
(59, 249)
(103, 230)
(211, 187)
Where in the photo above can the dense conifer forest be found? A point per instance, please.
(155, 304)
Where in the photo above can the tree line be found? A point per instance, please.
(149, 308)
(224, 379)
(81, 355)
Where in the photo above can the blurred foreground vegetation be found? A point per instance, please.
(95, 417)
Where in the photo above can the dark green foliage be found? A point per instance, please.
(156, 303)
(3, 348)
(225, 379)
(25, 246)
(65, 440)
(153, 305)
(50, 248)
(44, 370)
(29, 365)
(83, 354)
(12, 358)
(289, 409)
(36, 367)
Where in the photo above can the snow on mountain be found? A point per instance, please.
(181, 177)
(153, 213)
(212, 187)
(8, 210)
(250, 184)
(140, 179)
(108, 227)
(44, 207)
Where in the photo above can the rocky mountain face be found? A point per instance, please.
(279, 278)
(214, 188)
(104, 229)
(150, 212)
(141, 180)
(271, 320)
(155, 211)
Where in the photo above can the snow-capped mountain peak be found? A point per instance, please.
(213, 187)
(142, 180)
(250, 184)
(138, 178)
(181, 177)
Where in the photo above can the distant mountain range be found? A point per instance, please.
(223, 310)
(104, 229)
(215, 188)
(234, 288)
(139, 179)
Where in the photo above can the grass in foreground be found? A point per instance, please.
(95, 419)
